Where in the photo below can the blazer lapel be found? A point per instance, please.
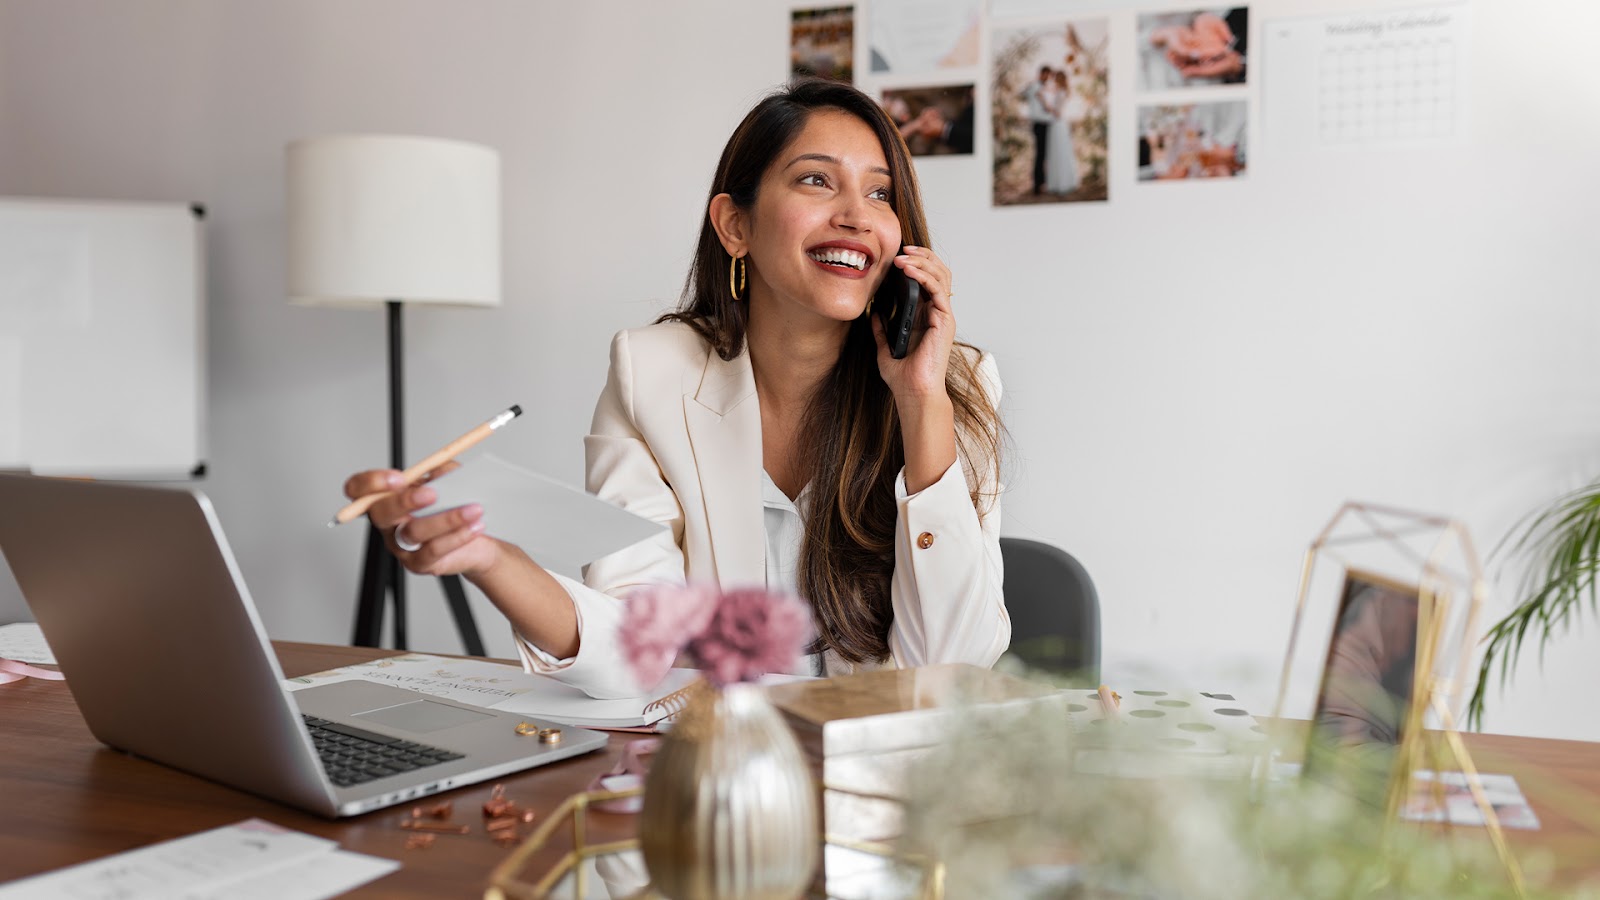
(724, 422)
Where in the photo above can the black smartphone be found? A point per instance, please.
(896, 305)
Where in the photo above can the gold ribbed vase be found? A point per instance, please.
(730, 808)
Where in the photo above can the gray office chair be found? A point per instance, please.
(1055, 611)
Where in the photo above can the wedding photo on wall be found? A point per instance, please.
(1184, 49)
(935, 121)
(1049, 108)
(1196, 140)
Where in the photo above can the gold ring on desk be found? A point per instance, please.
(526, 729)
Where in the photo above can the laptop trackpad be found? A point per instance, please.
(422, 715)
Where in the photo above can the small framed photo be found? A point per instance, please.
(822, 43)
(1193, 140)
(935, 121)
(1369, 698)
(1193, 47)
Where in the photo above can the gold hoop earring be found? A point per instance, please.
(736, 263)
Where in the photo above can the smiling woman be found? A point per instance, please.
(767, 424)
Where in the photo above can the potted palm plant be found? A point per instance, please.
(1563, 542)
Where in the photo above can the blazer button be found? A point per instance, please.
(925, 540)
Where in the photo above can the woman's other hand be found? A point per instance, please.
(451, 542)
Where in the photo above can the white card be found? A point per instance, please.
(563, 528)
(250, 855)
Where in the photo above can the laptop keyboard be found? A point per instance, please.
(351, 756)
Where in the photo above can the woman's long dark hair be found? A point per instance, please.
(850, 444)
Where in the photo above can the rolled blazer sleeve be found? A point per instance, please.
(623, 471)
(947, 588)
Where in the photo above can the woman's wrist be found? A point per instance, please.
(917, 410)
(486, 572)
(537, 606)
(928, 432)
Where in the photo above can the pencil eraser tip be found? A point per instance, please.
(516, 410)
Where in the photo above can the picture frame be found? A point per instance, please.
(1370, 697)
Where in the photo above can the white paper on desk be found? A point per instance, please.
(209, 864)
(24, 642)
(472, 681)
(1447, 796)
(562, 527)
(317, 878)
(566, 704)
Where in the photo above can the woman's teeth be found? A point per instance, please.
(838, 256)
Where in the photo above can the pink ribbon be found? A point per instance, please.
(626, 775)
(11, 670)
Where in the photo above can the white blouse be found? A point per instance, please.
(784, 528)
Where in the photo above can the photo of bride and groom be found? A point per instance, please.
(1052, 109)
(1049, 107)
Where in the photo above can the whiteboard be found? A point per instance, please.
(102, 338)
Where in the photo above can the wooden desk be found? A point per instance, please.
(67, 799)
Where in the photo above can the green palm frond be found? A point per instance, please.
(1564, 543)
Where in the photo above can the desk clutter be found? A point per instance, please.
(1172, 832)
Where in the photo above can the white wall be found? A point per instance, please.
(1197, 374)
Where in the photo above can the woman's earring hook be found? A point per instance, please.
(736, 263)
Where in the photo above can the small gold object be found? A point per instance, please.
(549, 735)
(736, 264)
(925, 540)
(526, 729)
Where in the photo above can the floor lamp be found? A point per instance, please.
(379, 220)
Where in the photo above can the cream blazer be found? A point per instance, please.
(676, 437)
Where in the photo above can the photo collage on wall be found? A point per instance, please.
(922, 56)
(1039, 71)
(1193, 112)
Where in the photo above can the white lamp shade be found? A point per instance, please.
(374, 218)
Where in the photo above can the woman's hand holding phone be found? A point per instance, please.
(920, 374)
(927, 415)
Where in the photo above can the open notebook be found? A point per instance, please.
(510, 689)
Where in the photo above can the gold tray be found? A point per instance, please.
(855, 869)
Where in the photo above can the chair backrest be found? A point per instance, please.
(1055, 611)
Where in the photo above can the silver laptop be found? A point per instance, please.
(141, 601)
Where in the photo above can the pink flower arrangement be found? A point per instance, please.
(736, 635)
